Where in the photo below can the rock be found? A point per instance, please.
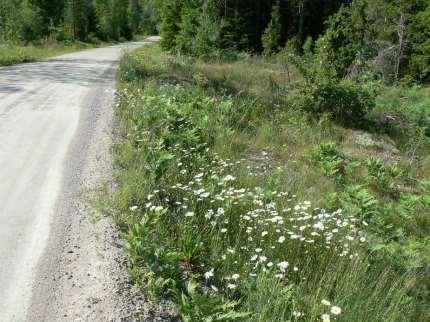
(366, 140)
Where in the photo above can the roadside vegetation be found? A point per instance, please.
(13, 54)
(273, 162)
(271, 196)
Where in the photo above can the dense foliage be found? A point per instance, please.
(390, 35)
(86, 20)
(240, 24)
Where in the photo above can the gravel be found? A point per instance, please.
(67, 266)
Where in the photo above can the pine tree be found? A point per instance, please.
(419, 63)
(120, 23)
(185, 38)
(103, 14)
(51, 11)
(134, 13)
(207, 38)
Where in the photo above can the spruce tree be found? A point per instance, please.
(272, 36)
(170, 14)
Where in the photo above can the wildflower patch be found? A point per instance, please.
(224, 243)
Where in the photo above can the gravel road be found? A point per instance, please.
(55, 132)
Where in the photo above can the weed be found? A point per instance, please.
(331, 161)
(381, 177)
(196, 307)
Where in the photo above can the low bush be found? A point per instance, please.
(402, 112)
(323, 92)
(344, 101)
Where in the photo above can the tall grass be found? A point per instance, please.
(223, 202)
(14, 54)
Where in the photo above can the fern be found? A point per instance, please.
(194, 306)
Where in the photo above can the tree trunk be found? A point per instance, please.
(401, 35)
(301, 18)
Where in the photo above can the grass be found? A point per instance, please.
(14, 54)
(241, 207)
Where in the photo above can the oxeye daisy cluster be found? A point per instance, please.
(258, 230)
(229, 225)
(333, 311)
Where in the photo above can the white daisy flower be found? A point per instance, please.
(325, 302)
(209, 274)
(335, 310)
(189, 214)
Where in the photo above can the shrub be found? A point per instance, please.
(322, 91)
(403, 113)
(344, 101)
(356, 200)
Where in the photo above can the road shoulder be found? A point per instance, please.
(83, 275)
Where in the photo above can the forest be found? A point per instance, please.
(31, 30)
(392, 34)
(33, 21)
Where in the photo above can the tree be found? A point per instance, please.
(80, 17)
(134, 13)
(419, 62)
(20, 20)
(103, 12)
(149, 17)
(273, 34)
(51, 12)
(120, 23)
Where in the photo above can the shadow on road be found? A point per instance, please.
(76, 71)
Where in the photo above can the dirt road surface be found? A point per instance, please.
(55, 133)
